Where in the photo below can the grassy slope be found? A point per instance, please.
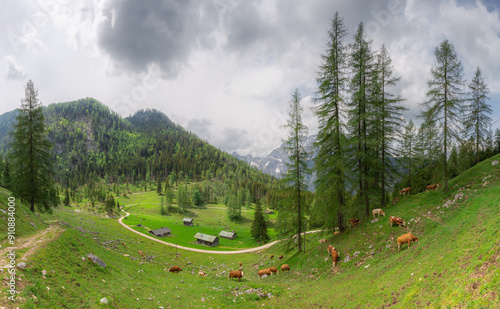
(23, 218)
(456, 263)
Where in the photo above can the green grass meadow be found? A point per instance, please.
(455, 263)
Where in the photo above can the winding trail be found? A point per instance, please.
(250, 250)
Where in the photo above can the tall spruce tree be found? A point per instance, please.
(361, 63)
(445, 98)
(30, 154)
(259, 225)
(294, 177)
(407, 151)
(477, 121)
(387, 113)
(330, 162)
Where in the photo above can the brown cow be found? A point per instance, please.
(272, 256)
(175, 269)
(329, 249)
(405, 191)
(236, 274)
(378, 212)
(335, 256)
(322, 241)
(273, 270)
(264, 272)
(432, 187)
(201, 273)
(281, 256)
(396, 220)
(354, 222)
(285, 267)
(406, 238)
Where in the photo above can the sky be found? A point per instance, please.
(224, 69)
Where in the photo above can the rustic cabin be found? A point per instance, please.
(188, 221)
(227, 235)
(162, 232)
(206, 240)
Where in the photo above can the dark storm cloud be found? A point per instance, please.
(139, 33)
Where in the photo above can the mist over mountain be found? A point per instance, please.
(275, 163)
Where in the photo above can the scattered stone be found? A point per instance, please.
(96, 260)
(21, 265)
(78, 210)
(367, 266)
(3, 211)
(326, 259)
(355, 255)
(33, 225)
(44, 272)
(347, 259)
(375, 220)
(104, 301)
(494, 162)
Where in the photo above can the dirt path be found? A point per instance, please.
(32, 242)
(250, 250)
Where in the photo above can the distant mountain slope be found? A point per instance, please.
(90, 141)
(275, 163)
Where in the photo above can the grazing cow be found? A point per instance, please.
(236, 274)
(396, 220)
(201, 273)
(395, 200)
(175, 269)
(354, 222)
(335, 256)
(405, 191)
(406, 238)
(281, 256)
(378, 212)
(240, 269)
(273, 270)
(264, 272)
(285, 267)
(329, 249)
(272, 256)
(322, 241)
(432, 187)
(336, 233)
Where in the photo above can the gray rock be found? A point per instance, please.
(104, 301)
(494, 162)
(33, 224)
(347, 259)
(96, 260)
(375, 220)
(355, 254)
(21, 265)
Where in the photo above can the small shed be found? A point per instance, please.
(188, 221)
(207, 240)
(161, 232)
(227, 235)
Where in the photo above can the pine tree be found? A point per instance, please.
(7, 182)
(361, 63)
(445, 98)
(259, 226)
(197, 200)
(33, 179)
(296, 172)
(159, 190)
(66, 197)
(477, 121)
(330, 162)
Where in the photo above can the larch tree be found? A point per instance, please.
(477, 111)
(445, 98)
(407, 150)
(361, 63)
(330, 162)
(294, 177)
(30, 154)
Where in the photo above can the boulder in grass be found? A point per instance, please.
(495, 162)
(96, 260)
(104, 301)
(21, 265)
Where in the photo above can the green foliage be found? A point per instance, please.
(66, 200)
(197, 200)
(158, 188)
(33, 179)
(259, 226)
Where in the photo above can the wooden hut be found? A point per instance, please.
(206, 240)
(227, 235)
(162, 232)
(187, 221)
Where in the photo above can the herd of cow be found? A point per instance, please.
(407, 238)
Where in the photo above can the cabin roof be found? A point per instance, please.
(205, 237)
(226, 234)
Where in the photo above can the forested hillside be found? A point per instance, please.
(91, 143)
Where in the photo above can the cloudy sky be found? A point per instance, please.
(225, 69)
